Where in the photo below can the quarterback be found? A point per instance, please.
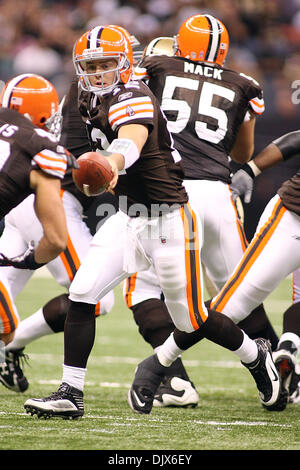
(155, 225)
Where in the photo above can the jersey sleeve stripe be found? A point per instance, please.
(125, 117)
(52, 156)
(257, 105)
(140, 73)
(130, 102)
(51, 162)
(130, 109)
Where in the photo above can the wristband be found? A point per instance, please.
(127, 148)
(254, 168)
(251, 169)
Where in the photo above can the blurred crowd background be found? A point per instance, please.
(38, 36)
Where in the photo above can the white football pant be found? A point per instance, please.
(124, 245)
(272, 255)
(224, 240)
(23, 226)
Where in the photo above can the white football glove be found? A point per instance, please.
(242, 184)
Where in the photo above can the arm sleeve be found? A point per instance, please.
(289, 144)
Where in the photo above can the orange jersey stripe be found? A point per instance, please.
(250, 256)
(46, 167)
(120, 108)
(58, 159)
(130, 286)
(122, 116)
(7, 312)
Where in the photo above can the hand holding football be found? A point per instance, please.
(94, 174)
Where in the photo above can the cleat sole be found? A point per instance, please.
(47, 414)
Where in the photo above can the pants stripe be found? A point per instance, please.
(254, 250)
(7, 313)
(130, 286)
(192, 265)
(70, 259)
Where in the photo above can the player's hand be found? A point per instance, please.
(242, 185)
(71, 161)
(24, 261)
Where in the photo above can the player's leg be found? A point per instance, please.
(12, 281)
(181, 281)
(50, 318)
(101, 270)
(285, 356)
(224, 243)
(144, 297)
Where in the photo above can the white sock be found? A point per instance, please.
(74, 376)
(168, 352)
(30, 329)
(290, 337)
(248, 351)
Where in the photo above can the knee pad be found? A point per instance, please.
(153, 320)
(55, 312)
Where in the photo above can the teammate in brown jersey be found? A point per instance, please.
(273, 252)
(31, 162)
(155, 226)
(211, 112)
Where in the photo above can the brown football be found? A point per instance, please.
(93, 175)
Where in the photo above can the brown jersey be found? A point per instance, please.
(205, 106)
(290, 193)
(25, 147)
(154, 181)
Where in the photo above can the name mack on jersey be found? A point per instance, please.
(204, 70)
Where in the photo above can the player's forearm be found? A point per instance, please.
(49, 247)
(268, 157)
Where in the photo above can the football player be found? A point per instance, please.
(154, 323)
(67, 125)
(23, 226)
(211, 114)
(283, 148)
(32, 162)
(155, 225)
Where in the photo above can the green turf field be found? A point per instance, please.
(228, 417)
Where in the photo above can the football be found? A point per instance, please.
(93, 175)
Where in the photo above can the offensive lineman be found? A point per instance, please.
(153, 205)
(283, 148)
(211, 114)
